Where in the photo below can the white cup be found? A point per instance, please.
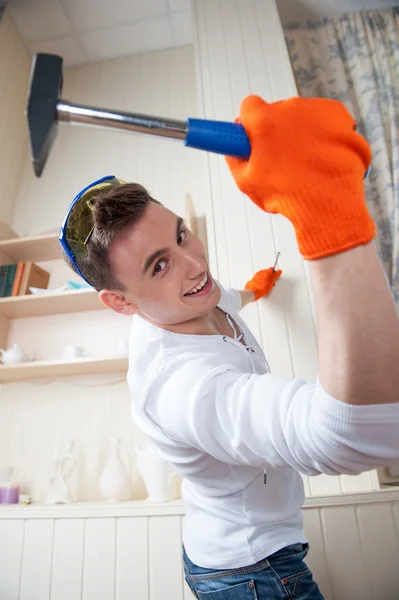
(71, 352)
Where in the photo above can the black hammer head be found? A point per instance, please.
(44, 91)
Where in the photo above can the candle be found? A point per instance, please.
(9, 492)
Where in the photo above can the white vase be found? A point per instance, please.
(156, 473)
(114, 477)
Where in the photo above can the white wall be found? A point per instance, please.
(14, 74)
(34, 415)
(118, 552)
(159, 83)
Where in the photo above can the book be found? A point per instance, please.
(7, 276)
(11, 270)
(3, 279)
(18, 278)
(33, 276)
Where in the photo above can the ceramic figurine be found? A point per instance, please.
(114, 476)
(59, 492)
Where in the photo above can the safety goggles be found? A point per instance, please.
(78, 224)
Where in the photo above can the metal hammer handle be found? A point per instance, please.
(214, 136)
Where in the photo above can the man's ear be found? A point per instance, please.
(117, 302)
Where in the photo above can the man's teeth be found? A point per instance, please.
(199, 287)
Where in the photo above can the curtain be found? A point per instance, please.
(355, 59)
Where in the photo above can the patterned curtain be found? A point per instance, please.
(355, 59)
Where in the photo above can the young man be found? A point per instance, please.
(200, 383)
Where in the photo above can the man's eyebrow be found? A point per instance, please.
(162, 251)
(151, 259)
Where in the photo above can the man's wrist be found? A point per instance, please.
(247, 296)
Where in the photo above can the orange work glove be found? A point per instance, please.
(307, 163)
(263, 282)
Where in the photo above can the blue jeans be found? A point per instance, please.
(281, 576)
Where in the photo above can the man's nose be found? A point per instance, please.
(195, 265)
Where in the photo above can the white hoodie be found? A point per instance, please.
(240, 437)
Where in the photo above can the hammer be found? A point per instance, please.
(45, 109)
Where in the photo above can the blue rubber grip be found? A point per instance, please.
(229, 139)
(221, 137)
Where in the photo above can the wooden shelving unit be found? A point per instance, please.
(57, 368)
(40, 249)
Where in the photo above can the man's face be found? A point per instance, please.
(162, 267)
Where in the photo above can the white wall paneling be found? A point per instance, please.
(377, 529)
(99, 559)
(348, 551)
(11, 546)
(36, 559)
(317, 559)
(132, 565)
(165, 562)
(133, 550)
(67, 559)
(240, 49)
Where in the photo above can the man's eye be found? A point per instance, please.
(159, 266)
(182, 236)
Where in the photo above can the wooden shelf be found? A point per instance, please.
(37, 305)
(57, 368)
(38, 248)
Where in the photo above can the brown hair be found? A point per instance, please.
(113, 210)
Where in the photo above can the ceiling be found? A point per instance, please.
(84, 31)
